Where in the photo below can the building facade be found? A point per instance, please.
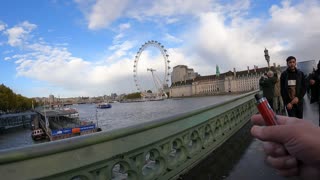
(228, 82)
(182, 73)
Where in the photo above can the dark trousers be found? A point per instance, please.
(270, 101)
(296, 111)
(319, 112)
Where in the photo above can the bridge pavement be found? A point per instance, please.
(252, 166)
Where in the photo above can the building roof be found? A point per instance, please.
(57, 112)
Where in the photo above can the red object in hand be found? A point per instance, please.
(266, 111)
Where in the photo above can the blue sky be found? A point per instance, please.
(87, 47)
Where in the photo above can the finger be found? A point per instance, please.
(283, 162)
(279, 134)
(285, 120)
(257, 119)
(274, 149)
(289, 172)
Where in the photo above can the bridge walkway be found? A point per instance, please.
(242, 157)
(252, 165)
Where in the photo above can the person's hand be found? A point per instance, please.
(292, 147)
(312, 82)
(289, 106)
(295, 100)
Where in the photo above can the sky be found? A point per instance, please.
(88, 47)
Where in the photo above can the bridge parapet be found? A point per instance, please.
(160, 149)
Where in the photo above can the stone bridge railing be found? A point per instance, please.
(161, 149)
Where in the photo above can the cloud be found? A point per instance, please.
(67, 75)
(238, 42)
(7, 58)
(174, 7)
(124, 26)
(19, 33)
(120, 50)
(171, 38)
(2, 26)
(104, 12)
(212, 34)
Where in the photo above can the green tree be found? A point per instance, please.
(135, 95)
(11, 101)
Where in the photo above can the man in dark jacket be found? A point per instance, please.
(315, 87)
(293, 88)
(267, 85)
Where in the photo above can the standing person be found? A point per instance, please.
(315, 87)
(277, 99)
(293, 88)
(267, 85)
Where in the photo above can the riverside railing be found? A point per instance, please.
(161, 149)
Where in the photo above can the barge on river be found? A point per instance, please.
(63, 123)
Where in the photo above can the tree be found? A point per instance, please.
(136, 95)
(12, 102)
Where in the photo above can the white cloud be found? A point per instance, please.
(235, 8)
(117, 38)
(171, 38)
(74, 76)
(175, 7)
(18, 34)
(292, 29)
(218, 35)
(124, 26)
(104, 12)
(2, 26)
(172, 20)
(7, 58)
(120, 50)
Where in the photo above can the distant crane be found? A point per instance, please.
(157, 83)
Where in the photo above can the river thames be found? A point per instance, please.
(120, 115)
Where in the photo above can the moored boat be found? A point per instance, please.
(38, 134)
(64, 123)
(104, 106)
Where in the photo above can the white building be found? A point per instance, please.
(182, 73)
(229, 82)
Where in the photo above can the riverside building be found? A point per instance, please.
(185, 82)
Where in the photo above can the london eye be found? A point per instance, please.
(159, 76)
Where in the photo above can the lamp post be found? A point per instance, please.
(266, 55)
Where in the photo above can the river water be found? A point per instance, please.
(120, 115)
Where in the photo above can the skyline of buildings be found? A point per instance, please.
(186, 82)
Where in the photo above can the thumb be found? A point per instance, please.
(280, 134)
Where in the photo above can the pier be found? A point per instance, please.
(8, 121)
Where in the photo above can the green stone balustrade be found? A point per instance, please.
(160, 149)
